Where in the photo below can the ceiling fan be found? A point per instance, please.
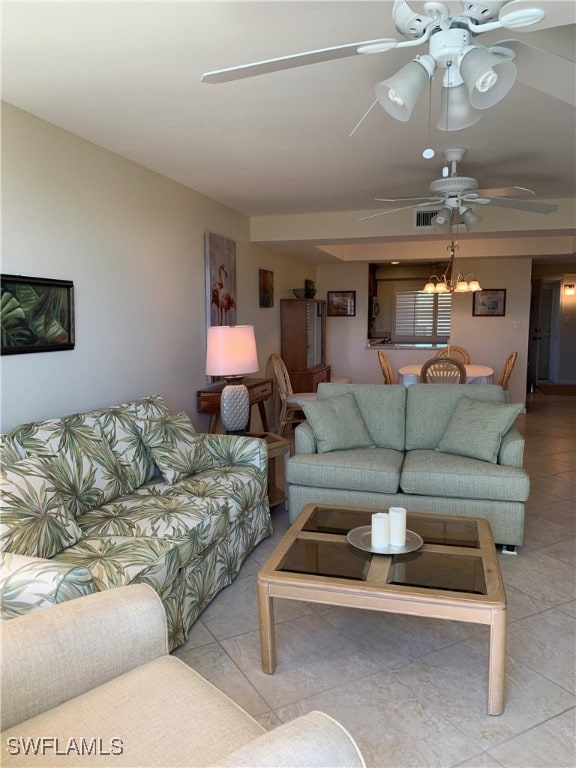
(475, 76)
(457, 195)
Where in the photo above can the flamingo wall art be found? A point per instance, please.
(220, 279)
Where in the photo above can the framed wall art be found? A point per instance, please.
(220, 256)
(37, 314)
(265, 288)
(341, 304)
(489, 303)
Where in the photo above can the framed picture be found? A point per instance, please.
(265, 288)
(37, 314)
(341, 304)
(489, 303)
(220, 256)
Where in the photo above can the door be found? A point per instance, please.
(542, 347)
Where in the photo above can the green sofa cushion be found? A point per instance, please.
(177, 449)
(430, 407)
(476, 429)
(360, 469)
(33, 518)
(430, 473)
(383, 408)
(337, 423)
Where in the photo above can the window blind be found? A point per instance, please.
(420, 317)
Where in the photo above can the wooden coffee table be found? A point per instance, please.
(455, 575)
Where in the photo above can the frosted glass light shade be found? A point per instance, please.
(443, 220)
(470, 217)
(456, 112)
(487, 77)
(398, 94)
(231, 350)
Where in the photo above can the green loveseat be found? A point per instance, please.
(400, 464)
(124, 495)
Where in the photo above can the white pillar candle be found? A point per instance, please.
(397, 526)
(380, 530)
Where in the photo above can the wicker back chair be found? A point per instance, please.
(504, 379)
(290, 410)
(458, 353)
(443, 370)
(387, 372)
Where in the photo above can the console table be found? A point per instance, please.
(208, 400)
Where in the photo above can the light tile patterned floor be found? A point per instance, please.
(412, 690)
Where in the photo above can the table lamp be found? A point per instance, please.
(231, 353)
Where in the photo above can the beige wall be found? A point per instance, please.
(132, 242)
(488, 339)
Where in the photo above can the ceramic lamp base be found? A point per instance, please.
(234, 407)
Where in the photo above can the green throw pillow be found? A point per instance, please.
(33, 518)
(177, 449)
(477, 427)
(337, 423)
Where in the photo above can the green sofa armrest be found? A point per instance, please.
(511, 452)
(237, 450)
(304, 440)
(49, 657)
(29, 583)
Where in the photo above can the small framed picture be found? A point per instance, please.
(37, 314)
(489, 303)
(341, 304)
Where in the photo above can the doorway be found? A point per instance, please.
(543, 344)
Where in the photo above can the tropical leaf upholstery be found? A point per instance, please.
(29, 583)
(175, 446)
(121, 425)
(33, 518)
(185, 531)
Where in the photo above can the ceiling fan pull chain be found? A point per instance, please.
(364, 116)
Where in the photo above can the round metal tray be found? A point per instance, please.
(362, 539)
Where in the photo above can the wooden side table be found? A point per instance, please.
(208, 400)
(277, 447)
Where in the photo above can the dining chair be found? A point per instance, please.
(458, 353)
(387, 372)
(504, 379)
(443, 370)
(290, 410)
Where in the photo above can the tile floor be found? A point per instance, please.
(413, 691)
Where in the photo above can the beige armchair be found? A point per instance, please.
(92, 683)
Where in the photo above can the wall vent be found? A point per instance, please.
(423, 219)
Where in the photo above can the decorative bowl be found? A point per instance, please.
(299, 293)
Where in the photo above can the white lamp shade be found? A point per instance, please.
(398, 94)
(456, 112)
(231, 350)
(487, 77)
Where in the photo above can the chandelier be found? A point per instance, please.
(450, 281)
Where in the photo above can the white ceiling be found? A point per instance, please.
(126, 75)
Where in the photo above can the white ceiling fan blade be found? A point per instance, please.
(502, 192)
(557, 13)
(405, 199)
(394, 210)
(294, 60)
(544, 71)
(524, 205)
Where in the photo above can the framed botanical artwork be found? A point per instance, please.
(489, 303)
(265, 288)
(220, 256)
(341, 304)
(37, 314)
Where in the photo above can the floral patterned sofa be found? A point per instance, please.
(127, 494)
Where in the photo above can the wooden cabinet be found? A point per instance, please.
(303, 342)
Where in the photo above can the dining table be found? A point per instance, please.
(475, 374)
